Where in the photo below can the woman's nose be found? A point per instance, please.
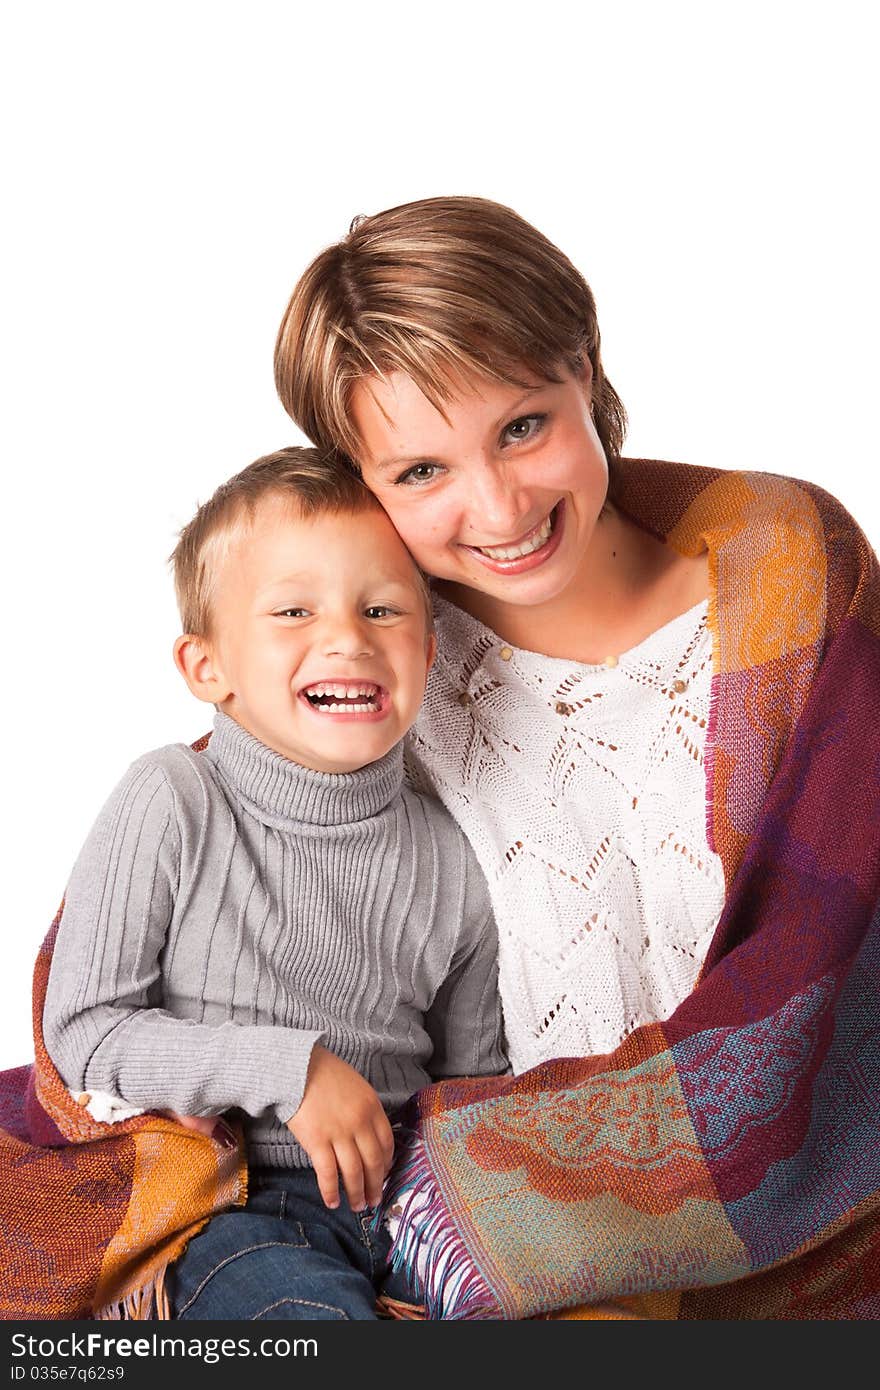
(497, 505)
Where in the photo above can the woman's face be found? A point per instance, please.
(503, 495)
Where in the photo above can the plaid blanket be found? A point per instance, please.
(724, 1163)
(93, 1214)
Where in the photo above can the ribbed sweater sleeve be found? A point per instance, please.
(104, 1025)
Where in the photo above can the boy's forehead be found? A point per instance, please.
(278, 540)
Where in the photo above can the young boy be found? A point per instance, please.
(278, 924)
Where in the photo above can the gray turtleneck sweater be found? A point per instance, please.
(230, 909)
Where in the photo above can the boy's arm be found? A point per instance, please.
(103, 1023)
(465, 1021)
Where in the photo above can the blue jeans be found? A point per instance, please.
(282, 1255)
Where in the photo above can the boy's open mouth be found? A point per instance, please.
(345, 697)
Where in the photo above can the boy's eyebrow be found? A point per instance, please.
(306, 576)
(386, 465)
(283, 579)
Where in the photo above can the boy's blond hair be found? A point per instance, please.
(441, 289)
(316, 483)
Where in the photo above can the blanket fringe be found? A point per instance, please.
(392, 1309)
(143, 1305)
(428, 1246)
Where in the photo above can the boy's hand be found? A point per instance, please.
(343, 1129)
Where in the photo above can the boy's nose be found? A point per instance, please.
(349, 638)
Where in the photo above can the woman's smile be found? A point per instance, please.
(527, 552)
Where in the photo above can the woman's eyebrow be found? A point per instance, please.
(408, 461)
(390, 464)
(520, 401)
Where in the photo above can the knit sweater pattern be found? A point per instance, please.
(583, 791)
(231, 908)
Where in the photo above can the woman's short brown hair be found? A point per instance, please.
(440, 289)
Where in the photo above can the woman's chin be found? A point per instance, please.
(485, 594)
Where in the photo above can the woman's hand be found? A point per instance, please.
(210, 1125)
(343, 1129)
(108, 1109)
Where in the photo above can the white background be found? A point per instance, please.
(169, 170)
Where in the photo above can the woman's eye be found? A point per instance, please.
(419, 473)
(526, 427)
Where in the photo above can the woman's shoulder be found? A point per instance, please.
(679, 501)
(776, 542)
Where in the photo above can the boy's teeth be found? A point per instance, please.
(513, 552)
(342, 690)
(348, 708)
(335, 696)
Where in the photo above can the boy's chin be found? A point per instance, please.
(338, 762)
(342, 750)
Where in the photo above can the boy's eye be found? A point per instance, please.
(380, 610)
(292, 613)
(525, 427)
(419, 473)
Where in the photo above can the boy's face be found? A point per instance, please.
(320, 635)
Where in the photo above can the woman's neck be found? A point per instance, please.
(629, 585)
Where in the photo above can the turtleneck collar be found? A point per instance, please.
(281, 792)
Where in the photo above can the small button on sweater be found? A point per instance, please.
(230, 909)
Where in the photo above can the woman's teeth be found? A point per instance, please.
(526, 547)
(334, 697)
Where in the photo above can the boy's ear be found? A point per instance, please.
(197, 663)
(432, 650)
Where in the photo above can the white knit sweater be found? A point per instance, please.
(582, 790)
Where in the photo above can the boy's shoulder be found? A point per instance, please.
(175, 759)
(171, 786)
(183, 770)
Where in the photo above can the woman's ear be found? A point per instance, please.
(197, 662)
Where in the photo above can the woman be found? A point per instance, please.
(653, 682)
